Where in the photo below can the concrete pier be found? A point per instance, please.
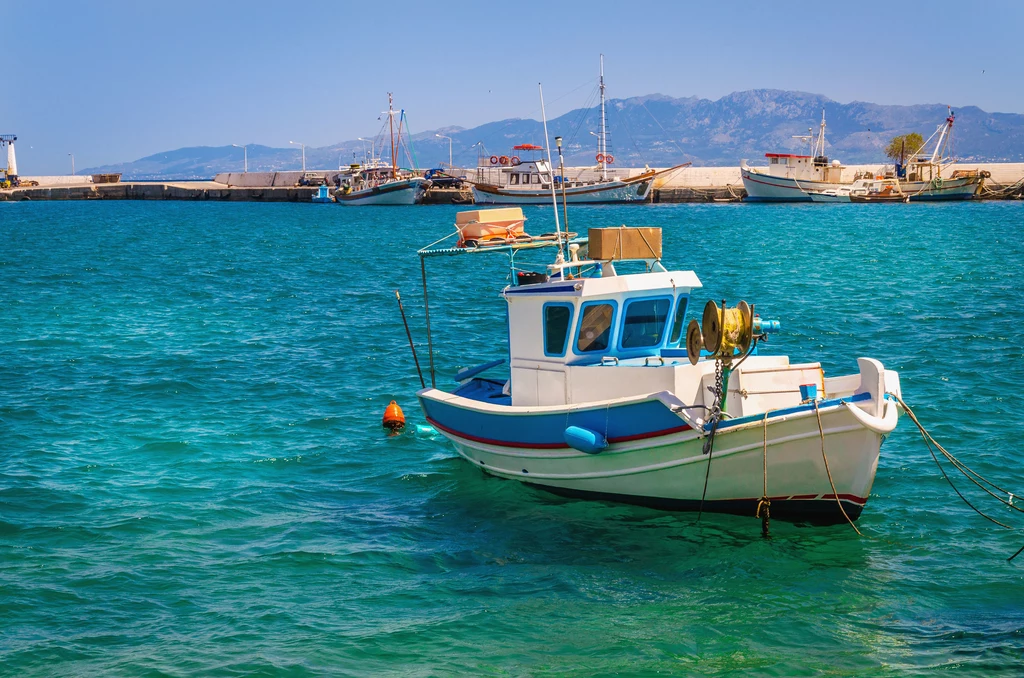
(690, 184)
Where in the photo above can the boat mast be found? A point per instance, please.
(603, 142)
(551, 171)
(819, 148)
(946, 131)
(391, 119)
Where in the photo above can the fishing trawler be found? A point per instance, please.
(610, 395)
(379, 183)
(525, 180)
(796, 178)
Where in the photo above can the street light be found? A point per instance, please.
(245, 157)
(441, 136)
(72, 163)
(303, 153)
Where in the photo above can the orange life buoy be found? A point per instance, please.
(503, 160)
(516, 161)
(609, 159)
(494, 160)
(600, 157)
(394, 418)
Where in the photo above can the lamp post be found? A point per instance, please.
(245, 157)
(441, 136)
(72, 163)
(303, 153)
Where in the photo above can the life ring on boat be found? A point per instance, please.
(515, 161)
(599, 157)
(609, 159)
(494, 160)
(503, 160)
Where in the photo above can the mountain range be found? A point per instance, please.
(653, 130)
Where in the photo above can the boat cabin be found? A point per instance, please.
(559, 329)
(804, 167)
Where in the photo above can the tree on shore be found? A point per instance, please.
(904, 144)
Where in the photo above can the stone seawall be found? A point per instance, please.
(200, 190)
(689, 184)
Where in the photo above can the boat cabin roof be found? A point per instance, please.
(589, 320)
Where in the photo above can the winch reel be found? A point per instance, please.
(725, 332)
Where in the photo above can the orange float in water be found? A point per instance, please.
(394, 419)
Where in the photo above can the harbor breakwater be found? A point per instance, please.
(689, 184)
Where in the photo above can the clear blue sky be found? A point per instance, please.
(115, 81)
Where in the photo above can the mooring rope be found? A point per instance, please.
(929, 441)
(965, 470)
(821, 432)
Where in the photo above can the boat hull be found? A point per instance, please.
(824, 197)
(610, 192)
(657, 460)
(762, 187)
(404, 192)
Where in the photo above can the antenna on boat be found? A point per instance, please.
(820, 146)
(554, 195)
(391, 119)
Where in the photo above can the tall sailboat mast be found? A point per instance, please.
(603, 141)
(391, 120)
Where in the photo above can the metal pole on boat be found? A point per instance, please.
(554, 196)
(561, 172)
(426, 309)
(412, 346)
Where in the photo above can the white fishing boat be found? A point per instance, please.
(611, 396)
(524, 180)
(379, 183)
(795, 178)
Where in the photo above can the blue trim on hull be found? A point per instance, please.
(620, 423)
(812, 511)
(729, 423)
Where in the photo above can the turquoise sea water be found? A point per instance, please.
(193, 478)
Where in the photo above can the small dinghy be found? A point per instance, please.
(611, 395)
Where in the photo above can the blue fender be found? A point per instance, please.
(585, 440)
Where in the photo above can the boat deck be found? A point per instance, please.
(484, 391)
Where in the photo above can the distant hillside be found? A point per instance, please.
(656, 130)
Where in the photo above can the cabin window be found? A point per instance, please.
(513, 179)
(783, 161)
(557, 319)
(595, 328)
(677, 324)
(644, 322)
(526, 178)
(536, 178)
(773, 161)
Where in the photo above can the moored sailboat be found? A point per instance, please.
(525, 180)
(379, 183)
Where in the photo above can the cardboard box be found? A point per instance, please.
(607, 244)
(500, 215)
